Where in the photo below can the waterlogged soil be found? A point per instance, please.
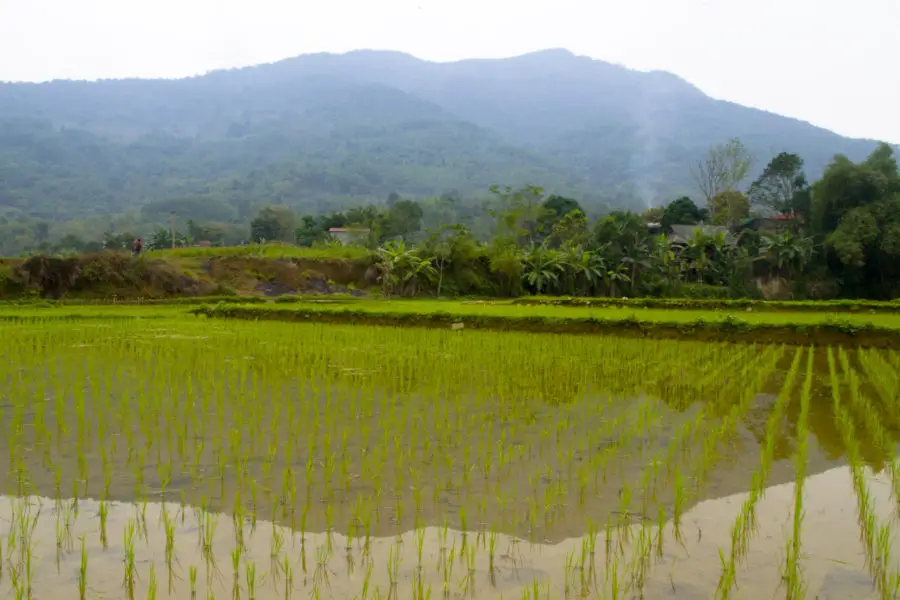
(553, 443)
(833, 562)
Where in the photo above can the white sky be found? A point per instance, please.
(830, 62)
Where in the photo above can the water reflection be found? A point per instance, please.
(833, 563)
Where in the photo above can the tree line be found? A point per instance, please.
(778, 234)
(838, 236)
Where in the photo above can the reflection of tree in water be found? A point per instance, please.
(681, 391)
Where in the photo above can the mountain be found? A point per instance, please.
(320, 131)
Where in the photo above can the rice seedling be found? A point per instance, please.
(151, 583)
(83, 572)
(250, 568)
(104, 515)
(130, 565)
(192, 576)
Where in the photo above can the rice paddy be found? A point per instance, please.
(178, 457)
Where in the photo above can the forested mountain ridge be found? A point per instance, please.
(322, 131)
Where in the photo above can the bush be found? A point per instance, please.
(10, 285)
(704, 291)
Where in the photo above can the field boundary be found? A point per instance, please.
(748, 305)
(835, 306)
(730, 329)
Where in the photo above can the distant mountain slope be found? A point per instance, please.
(322, 129)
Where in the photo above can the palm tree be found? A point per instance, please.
(614, 277)
(592, 269)
(400, 268)
(572, 258)
(542, 267)
(786, 252)
(664, 262)
(706, 256)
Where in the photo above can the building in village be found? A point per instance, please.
(349, 235)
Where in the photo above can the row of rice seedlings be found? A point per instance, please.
(654, 470)
(869, 529)
(646, 491)
(876, 537)
(745, 524)
(795, 582)
(20, 547)
(878, 367)
(658, 468)
(886, 385)
(750, 378)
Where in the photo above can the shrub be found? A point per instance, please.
(704, 291)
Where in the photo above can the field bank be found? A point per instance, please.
(874, 329)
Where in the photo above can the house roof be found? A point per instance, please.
(777, 217)
(682, 233)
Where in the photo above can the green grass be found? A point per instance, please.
(509, 316)
(652, 315)
(268, 251)
(104, 311)
(745, 304)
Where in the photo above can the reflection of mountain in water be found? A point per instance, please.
(531, 435)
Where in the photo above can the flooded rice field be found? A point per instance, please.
(183, 458)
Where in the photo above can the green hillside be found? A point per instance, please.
(320, 132)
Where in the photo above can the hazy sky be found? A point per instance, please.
(830, 62)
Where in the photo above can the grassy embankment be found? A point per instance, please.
(745, 304)
(265, 270)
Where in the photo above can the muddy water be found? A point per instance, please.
(833, 561)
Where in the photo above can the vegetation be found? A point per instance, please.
(187, 273)
(323, 133)
(207, 458)
(790, 328)
(835, 238)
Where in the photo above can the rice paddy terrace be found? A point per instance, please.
(176, 456)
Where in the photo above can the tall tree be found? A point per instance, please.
(554, 209)
(680, 212)
(723, 169)
(779, 184)
(309, 232)
(273, 223)
(846, 185)
(402, 220)
(519, 214)
(856, 211)
(729, 207)
(570, 231)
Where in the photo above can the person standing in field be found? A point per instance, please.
(136, 247)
